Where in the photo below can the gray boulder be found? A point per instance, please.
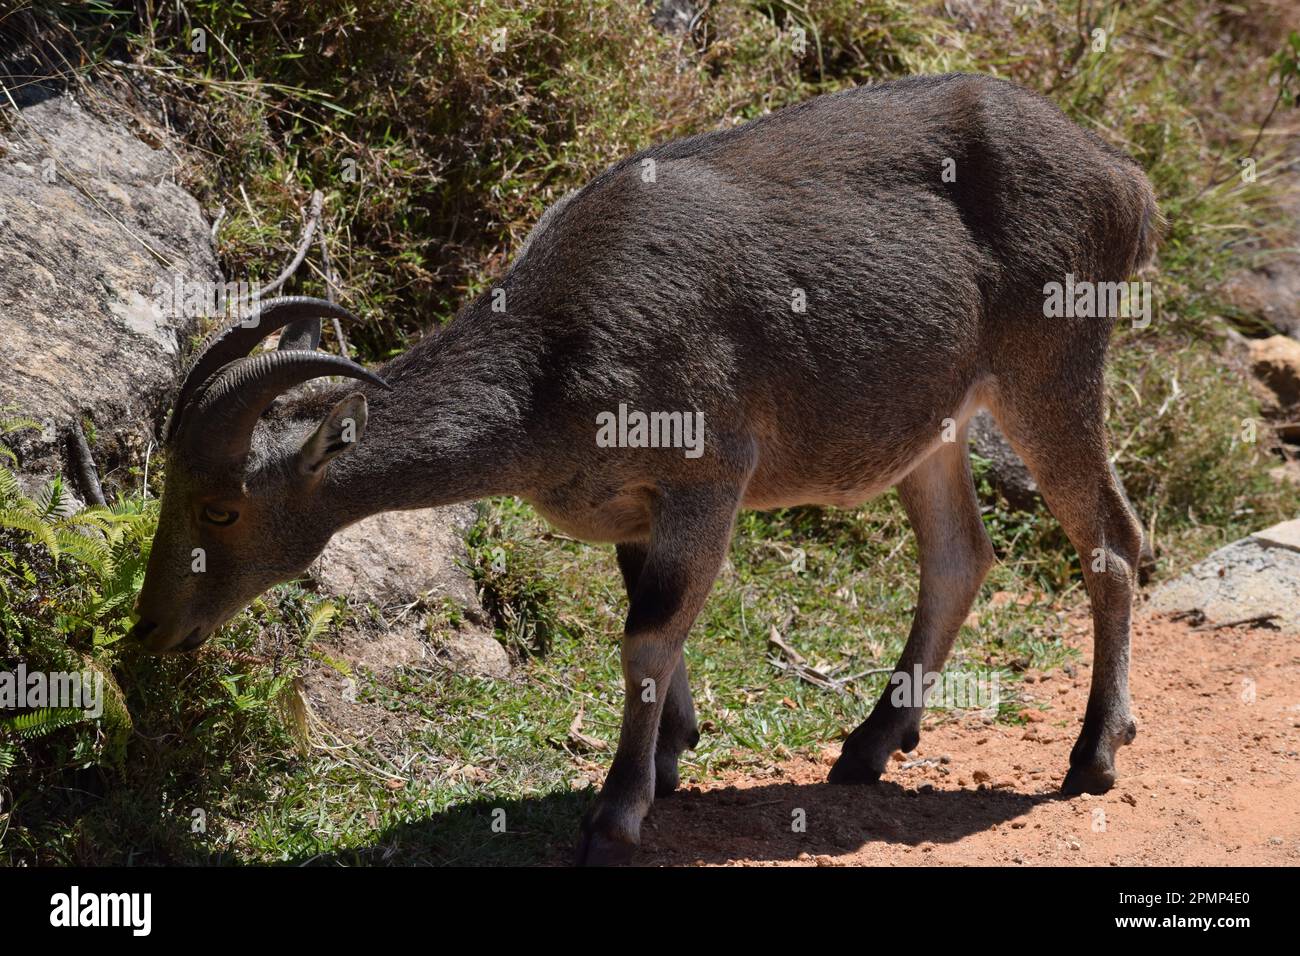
(1008, 473)
(409, 561)
(91, 226)
(402, 557)
(673, 16)
(1252, 578)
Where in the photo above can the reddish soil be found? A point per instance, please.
(1212, 779)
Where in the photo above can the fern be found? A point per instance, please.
(8, 426)
(90, 551)
(53, 501)
(318, 619)
(8, 754)
(8, 483)
(17, 423)
(42, 721)
(22, 518)
(107, 541)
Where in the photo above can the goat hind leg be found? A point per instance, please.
(955, 556)
(1064, 447)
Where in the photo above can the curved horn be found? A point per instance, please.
(221, 426)
(239, 338)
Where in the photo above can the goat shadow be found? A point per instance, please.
(773, 822)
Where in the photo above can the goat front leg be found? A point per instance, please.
(678, 729)
(691, 532)
(955, 553)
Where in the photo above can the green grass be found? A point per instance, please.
(452, 175)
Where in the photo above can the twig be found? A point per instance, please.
(331, 292)
(144, 485)
(309, 230)
(584, 740)
(216, 223)
(83, 464)
(866, 673)
(795, 664)
(1211, 183)
(1175, 393)
(249, 206)
(774, 638)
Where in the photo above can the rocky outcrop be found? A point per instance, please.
(1255, 579)
(91, 226)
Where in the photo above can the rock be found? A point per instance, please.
(1284, 535)
(1269, 295)
(380, 651)
(475, 651)
(91, 227)
(1276, 362)
(337, 683)
(1008, 473)
(468, 650)
(673, 16)
(401, 557)
(1255, 576)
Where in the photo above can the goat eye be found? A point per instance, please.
(217, 516)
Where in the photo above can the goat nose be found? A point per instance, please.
(142, 630)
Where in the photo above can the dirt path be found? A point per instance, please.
(1212, 779)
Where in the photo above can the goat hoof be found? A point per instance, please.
(666, 783)
(851, 769)
(596, 849)
(1088, 779)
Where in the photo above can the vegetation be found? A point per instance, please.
(437, 151)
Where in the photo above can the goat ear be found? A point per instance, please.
(340, 431)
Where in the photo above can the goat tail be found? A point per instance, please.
(1152, 226)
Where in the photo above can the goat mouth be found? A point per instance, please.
(141, 630)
